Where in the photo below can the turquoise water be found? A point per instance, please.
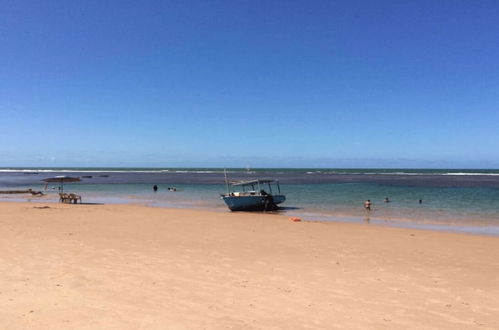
(439, 203)
(445, 204)
(466, 198)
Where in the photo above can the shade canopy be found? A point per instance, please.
(61, 179)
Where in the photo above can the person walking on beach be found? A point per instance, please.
(367, 205)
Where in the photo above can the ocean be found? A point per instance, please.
(465, 200)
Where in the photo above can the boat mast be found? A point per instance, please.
(226, 181)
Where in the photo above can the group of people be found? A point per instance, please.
(368, 203)
(155, 188)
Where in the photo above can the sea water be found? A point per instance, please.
(463, 199)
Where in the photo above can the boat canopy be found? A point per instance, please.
(252, 182)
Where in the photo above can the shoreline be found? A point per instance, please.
(472, 226)
(129, 266)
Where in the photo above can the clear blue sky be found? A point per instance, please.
(249, 83)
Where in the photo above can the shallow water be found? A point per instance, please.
(463, 198)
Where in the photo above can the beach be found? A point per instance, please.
(137, 267)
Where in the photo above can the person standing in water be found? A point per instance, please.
(367, 205)
(155, 188)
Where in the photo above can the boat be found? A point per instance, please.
(252, 196)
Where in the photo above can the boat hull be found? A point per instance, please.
(252, 202)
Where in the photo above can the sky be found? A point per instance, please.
(249, 83)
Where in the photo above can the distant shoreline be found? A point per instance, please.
(392, 171)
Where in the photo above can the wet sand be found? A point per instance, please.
(134, 267)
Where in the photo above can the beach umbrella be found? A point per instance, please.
(61, 179)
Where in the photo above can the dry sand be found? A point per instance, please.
(133, 267)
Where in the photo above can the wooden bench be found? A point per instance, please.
(73, 198)
(69, 198)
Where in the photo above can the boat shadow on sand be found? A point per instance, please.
(288, 208)
(279, 210)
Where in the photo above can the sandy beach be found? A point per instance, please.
(135, 267)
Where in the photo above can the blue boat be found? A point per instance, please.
(252, 196)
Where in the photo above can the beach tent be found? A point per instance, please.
(61, 179)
